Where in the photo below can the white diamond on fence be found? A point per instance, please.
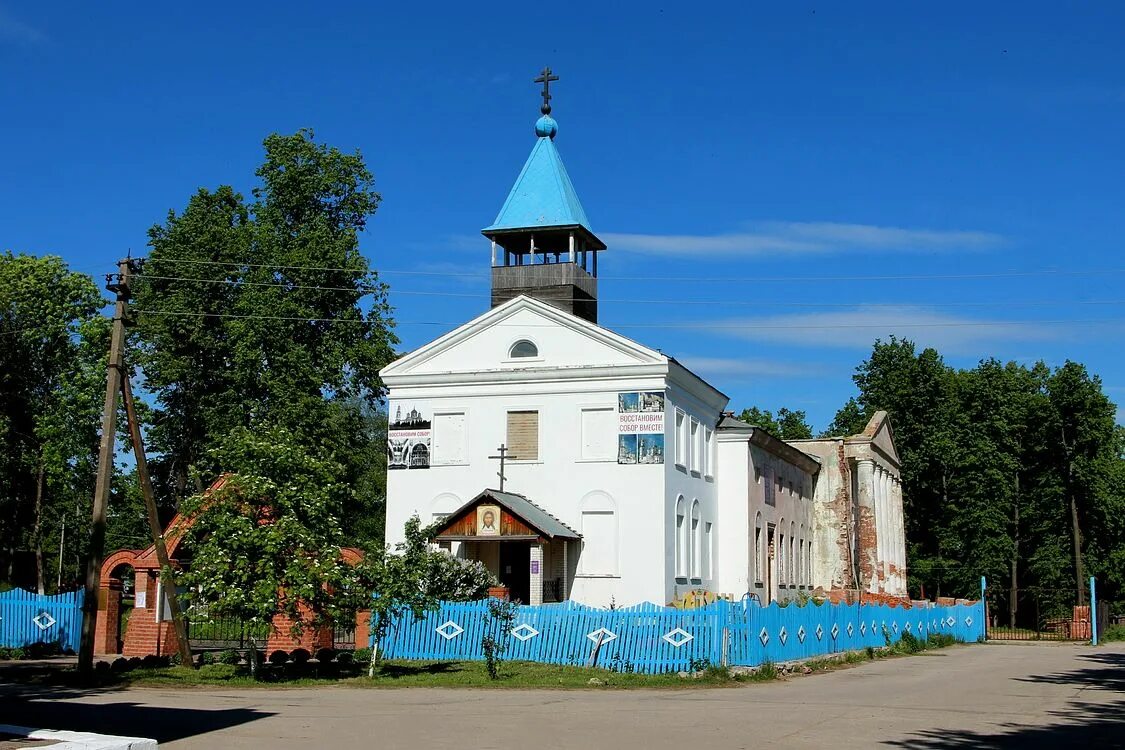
(835, 631)
(43, 620)
(606, 635)
(449, 630)
(851, 630)
(764, 637)
(524, 632)
(933, 624)
(677, 637)
(894, 626)
(950, 621)
(873, 626)
(968, 622)
(783, 635)
(819, 632)
(907, 627)
(801, 634)
(863, 628)
(921, 626)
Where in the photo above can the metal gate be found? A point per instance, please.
(1039, 614)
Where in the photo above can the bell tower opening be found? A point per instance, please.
(542, 244)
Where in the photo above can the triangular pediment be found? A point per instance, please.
(882, 436)
(485, 344)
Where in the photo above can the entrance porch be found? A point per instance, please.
(524, 547)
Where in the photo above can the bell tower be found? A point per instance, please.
(542, 244)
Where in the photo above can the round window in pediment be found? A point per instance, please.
(522, 349)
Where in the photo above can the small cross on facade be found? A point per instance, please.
(545, 78)
(503, 451)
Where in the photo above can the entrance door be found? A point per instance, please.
(515, 569)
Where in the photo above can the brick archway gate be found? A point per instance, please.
(150, 630)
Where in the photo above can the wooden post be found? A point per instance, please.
(593, 660)
(105, 467)
(154, 527)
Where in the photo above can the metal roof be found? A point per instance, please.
(532, 514)
(543, 195)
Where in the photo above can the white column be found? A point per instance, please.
(536, 592)
(866, 543)
(880, 528)
(572, 247)
(494, 253)
(900, 540)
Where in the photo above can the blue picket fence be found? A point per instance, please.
(27, 618)
(650, 638)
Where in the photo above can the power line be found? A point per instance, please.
(712, 279)
(705, 326)
(645, 301)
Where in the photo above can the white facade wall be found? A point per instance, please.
(468, 372)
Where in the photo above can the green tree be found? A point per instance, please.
(266, 312)
(1083, 428)
(787, 425)
(52, 375)
(414, 578)
(268, 539)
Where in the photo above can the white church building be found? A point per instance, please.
(623, 478)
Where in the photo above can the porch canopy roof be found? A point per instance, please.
(520, 520)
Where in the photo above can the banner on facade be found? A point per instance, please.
(640, 427)
(408, 435)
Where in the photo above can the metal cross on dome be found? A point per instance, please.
(545, 78)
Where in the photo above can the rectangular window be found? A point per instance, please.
(708, 447)
(767, 487)
(696, 453)
(599, 543)
(449, 438)
(599, 434)
(523, 435)
(681, 440)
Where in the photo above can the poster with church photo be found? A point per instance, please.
(408, 435)
(640, 427)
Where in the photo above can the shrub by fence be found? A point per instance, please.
(27, 618)
(651, 638)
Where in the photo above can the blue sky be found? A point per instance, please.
(754, 170)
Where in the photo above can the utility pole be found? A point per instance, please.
(154, 527)
(118, 284)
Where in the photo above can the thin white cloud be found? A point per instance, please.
(739, 368)
(859, 327)
(13, 29)
(806, 238)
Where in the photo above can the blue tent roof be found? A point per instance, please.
(543, 195)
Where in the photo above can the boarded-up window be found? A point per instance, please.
(523, 435)
(599, 543)
(449, 438)
(599, 434)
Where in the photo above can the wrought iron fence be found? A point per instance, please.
(1036, 614)
(220, 633)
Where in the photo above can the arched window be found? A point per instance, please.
(523, 348)
(681, 533)
(599, 535)
(759, 551)
(696, 541)
(779, 553)
(801, 573)
(794, 574)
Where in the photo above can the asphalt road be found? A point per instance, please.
(1025, 696)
